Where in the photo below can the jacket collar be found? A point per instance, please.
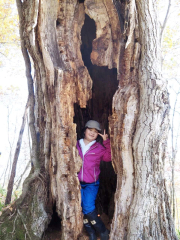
(94, 145)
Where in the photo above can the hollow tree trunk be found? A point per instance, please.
(75, 81)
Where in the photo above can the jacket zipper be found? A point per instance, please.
(82, 163)
(95, 174)
(83, 160)
(82, 169)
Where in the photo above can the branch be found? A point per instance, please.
(174, 152)
(165, 21)
(3, 54)
(20, 178)
(11, 42)
(16, 155)
(30, 86)
(34, 149)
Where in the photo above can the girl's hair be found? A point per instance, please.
(99, 139)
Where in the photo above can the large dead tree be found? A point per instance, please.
(93, 59)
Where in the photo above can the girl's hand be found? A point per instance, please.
(104, 136)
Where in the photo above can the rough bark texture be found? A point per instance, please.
(76, 73)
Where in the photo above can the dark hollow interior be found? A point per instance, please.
(54, 228)
(98, 108)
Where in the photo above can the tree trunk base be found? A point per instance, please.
(103, 66)
(54, 232)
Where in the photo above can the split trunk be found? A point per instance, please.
(96, 60)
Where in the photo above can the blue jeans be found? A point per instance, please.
(88, 196)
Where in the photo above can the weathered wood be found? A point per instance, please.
(68, 93)
(150, 212)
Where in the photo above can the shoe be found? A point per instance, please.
(105, 235)
(89, 229)
(98, 225)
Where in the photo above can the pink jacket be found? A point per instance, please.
(90, 169)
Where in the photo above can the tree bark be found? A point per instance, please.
(79, 50)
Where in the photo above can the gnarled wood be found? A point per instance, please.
(75, 79)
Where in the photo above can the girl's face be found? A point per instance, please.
(91, 134)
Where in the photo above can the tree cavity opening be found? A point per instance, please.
(53, 230)
(98, 108)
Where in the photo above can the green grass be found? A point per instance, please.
(2, 197)
(3, 193)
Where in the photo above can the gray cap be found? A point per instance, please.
(93, 124)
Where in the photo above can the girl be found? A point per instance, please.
(92, 151)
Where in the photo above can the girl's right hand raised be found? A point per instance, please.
(104, 136)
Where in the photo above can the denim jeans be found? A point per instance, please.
(88, 196)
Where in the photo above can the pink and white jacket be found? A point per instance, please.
(90, 169)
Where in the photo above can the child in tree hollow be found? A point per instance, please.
(93, 148)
